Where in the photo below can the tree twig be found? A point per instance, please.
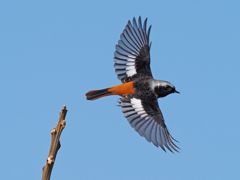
(55, 144)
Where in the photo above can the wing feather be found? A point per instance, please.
(133, 47)
(148, 122)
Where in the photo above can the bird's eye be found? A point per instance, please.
(168, 88)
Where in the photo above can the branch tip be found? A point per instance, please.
(55, 144)
(64, 107)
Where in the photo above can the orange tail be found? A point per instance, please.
(122, 90)
(92, 95)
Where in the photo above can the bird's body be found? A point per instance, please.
(144, 89)
(139, 91)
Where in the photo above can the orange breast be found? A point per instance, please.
(123, 89)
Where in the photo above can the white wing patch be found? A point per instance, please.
(145, 124)
(132, 39)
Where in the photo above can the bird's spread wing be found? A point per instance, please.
(148, 121)
(132, 55)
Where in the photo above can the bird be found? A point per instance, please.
(139, 91)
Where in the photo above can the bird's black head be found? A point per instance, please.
(163, 88)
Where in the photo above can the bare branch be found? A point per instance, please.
(55, 144)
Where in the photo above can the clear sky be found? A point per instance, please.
(52, 53)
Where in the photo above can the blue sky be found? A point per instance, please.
(52, 53)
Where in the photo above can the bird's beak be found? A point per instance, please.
(177, 92)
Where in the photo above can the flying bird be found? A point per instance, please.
(139, 91)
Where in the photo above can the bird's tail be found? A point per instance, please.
(121, 90)
(95, 94)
